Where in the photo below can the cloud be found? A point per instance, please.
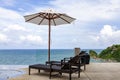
(107, 30)
(31, 39)
(4, 38)
(7, 14)
(86, 10)
(108, 35)
(15, 27)
(89, 14)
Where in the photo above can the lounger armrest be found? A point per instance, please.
(48, 62)
(67, 59)
(53, 63)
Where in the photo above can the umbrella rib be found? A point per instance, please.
(53, 20)
(43, 16)
(63, 18)
(42, 19)
(31, 18)
(67, 16)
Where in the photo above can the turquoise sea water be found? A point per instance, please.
(34, 56)
(10, 60)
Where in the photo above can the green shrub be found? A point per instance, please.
(93, 54)
(111, 53)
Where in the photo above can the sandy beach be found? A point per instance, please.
(45, 76)
(94, 71)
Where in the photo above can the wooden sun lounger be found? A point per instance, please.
(63, 68)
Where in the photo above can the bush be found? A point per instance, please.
(111, 53)
(93, 54)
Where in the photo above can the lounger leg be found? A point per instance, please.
(84, 67)
(60, 73)
(38, 70)
(79, 74)
(50, 75)
(29, 70)
(79, 71)
(69, 76)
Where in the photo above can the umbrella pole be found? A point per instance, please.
(49, 38)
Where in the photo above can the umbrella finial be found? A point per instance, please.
(49, 11)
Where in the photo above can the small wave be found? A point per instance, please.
(9, 71)
(5, 74)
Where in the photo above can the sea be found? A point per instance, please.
(35, 56)
(11, 60)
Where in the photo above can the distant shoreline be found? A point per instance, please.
(35, 56)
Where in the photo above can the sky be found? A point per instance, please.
(96, 26)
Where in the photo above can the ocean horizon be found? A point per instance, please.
(11, 60)
(35, 56)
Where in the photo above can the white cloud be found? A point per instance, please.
(3, 38)
(7, 14)
(15, 27)
(83, 10)
(108, 35)
(32, 39)
(86, 10)
(107, 30)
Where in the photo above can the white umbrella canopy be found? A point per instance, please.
(49, 18)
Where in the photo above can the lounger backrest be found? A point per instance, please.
(82, 53)
(73, 61)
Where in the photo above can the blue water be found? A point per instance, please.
(34, 56)
(30, 56)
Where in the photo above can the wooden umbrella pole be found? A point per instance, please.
(49, 38)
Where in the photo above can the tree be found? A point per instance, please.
(93, 54)
(111, 53)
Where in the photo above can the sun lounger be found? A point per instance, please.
(67, 67)
(82, 58)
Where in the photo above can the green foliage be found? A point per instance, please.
(111, 53)
(116, 54)
(106, 53)
(93, 53)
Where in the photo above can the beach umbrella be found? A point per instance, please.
(49, 17)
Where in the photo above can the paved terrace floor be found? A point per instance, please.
(102, 71)
(94, 71)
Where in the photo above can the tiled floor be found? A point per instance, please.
(103, 71)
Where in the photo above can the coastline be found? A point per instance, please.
(92, 72)
(11, 71)
(13, 66)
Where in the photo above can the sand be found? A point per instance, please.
(94, 71)
(45, 76)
